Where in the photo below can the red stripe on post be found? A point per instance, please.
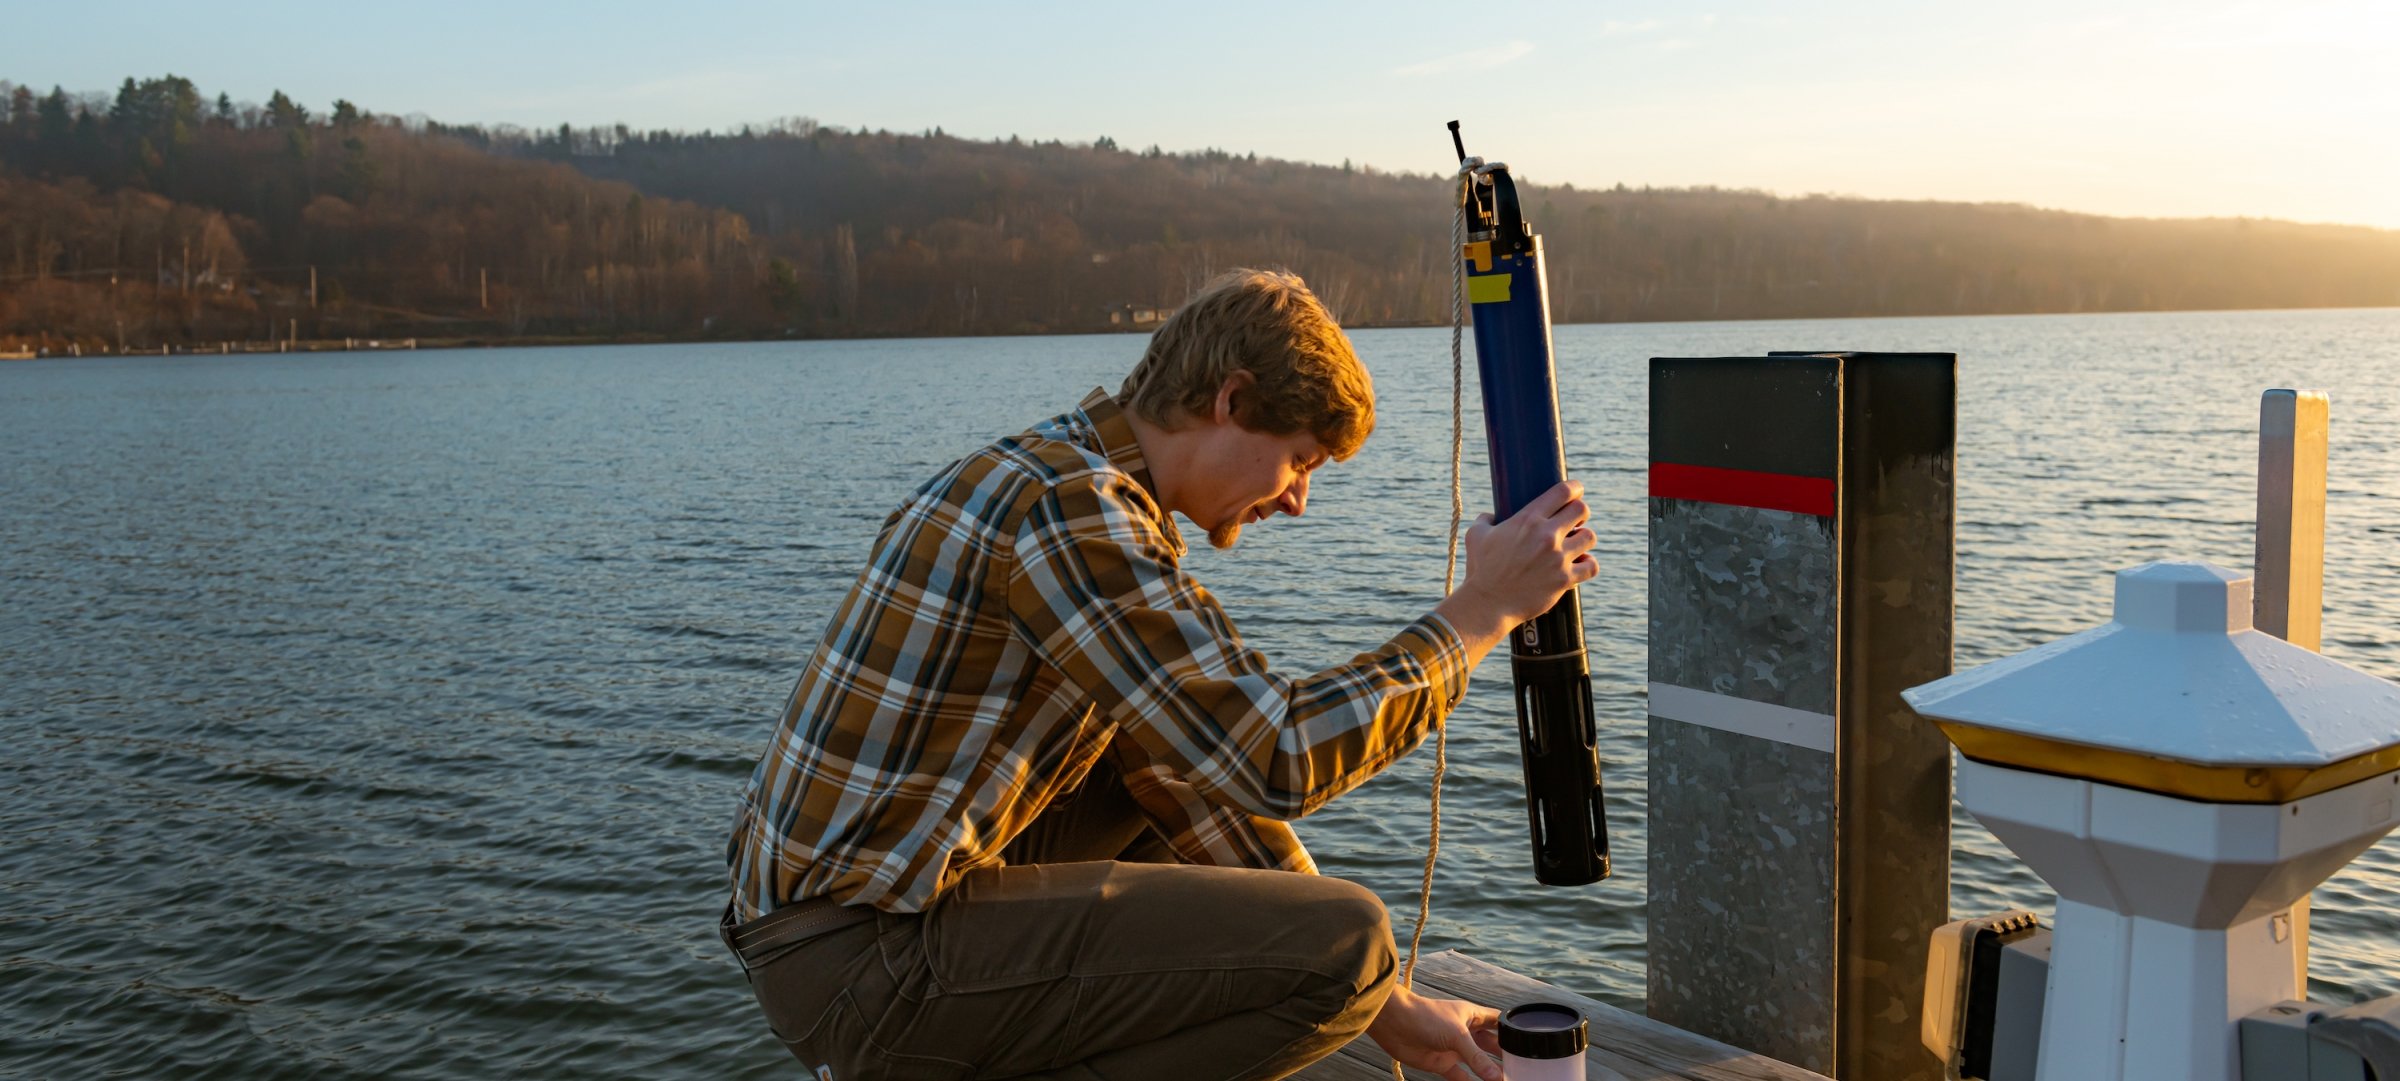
(1742, 488)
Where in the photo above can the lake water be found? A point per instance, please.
(383, 715)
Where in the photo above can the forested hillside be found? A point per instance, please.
(157, 215)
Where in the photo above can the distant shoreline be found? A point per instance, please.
(164, 222)
(388, 345)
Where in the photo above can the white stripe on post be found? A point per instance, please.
(1726, 713)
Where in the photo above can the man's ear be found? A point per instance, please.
(1228, 406)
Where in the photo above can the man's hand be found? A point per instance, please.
(1518, 568)
(1458, 1040)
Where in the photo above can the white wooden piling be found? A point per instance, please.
(2289, 570)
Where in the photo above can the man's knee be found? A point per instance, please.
(1354, 929)
(1357, 968)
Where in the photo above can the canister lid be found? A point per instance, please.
(1544, 1030)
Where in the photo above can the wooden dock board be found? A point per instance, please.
(1626, 1046)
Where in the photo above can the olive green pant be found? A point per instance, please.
(1073, 963)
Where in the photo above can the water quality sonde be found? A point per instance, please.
(1510, 302)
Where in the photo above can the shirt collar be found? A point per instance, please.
(1119, 446)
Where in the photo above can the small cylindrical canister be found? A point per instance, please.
(1543, 1041)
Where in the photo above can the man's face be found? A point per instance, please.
(1247, 476)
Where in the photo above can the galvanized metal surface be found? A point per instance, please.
(1741, 896)
(1898, 530)
(1799, 811)
(1742, 605)
(1742, 602)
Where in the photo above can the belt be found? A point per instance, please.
(779, 932)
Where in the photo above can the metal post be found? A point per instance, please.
(2289, 570)
(1801, 532)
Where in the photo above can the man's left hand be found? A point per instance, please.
(1458, 1040)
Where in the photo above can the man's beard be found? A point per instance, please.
(1222, 537)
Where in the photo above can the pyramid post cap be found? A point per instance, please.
(2179, 676)
(2180, 596)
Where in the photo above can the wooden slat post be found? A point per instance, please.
(1801, 540)
(2289, 588)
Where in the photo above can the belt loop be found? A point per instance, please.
(768, 937)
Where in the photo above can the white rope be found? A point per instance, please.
(1458, 509)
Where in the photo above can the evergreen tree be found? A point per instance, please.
(285, 113)
(359, 173)
(125, 114)
(56, 120)
(21, 111)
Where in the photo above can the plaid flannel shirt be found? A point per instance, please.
(1024, 614)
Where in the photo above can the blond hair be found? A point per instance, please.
(1266, 323)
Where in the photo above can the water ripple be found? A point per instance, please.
(383, 716)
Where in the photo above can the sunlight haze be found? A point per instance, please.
(2284, 111)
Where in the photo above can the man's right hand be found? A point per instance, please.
(1518, 568)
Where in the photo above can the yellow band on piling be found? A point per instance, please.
(2166, 776)
(1487, 288)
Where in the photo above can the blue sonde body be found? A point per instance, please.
(1510, 300)
(1511, 305)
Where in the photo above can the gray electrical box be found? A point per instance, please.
(1986, 980)
(2304, 1041)
(2016, 1041)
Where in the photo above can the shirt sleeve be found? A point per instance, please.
(1096, 592)
(1202, 832)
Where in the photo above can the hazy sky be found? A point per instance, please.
(2287, 110)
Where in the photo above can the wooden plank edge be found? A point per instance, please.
(1624, 1045)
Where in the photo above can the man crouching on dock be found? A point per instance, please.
(1026, 814)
